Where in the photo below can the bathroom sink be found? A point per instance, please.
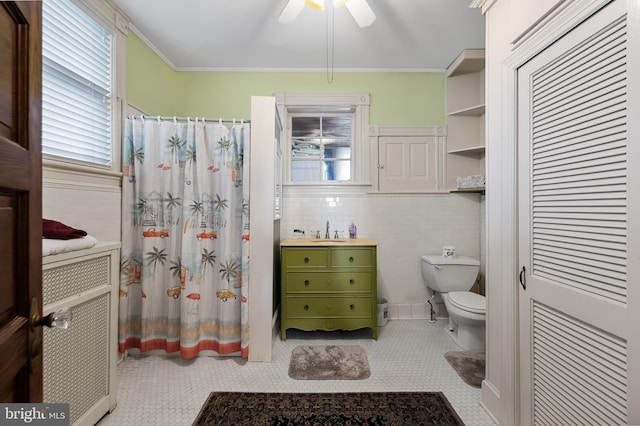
(329, 241)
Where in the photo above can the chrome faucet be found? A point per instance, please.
(327, 235)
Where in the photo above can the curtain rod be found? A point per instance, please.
(206, 120)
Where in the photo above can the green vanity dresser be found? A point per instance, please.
(328, 285)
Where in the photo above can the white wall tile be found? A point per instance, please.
(419, 311)
(404, 311)
(405, 227)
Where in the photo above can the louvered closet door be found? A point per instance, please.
(573, 188)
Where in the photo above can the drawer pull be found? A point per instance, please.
(306, 260)
(351, 259)
(352, 281)
(306, 307)
(352, 307)
(306, 282)
(329, 308)
(328, 282)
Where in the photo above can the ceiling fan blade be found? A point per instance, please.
(361, 12)
(291, 11)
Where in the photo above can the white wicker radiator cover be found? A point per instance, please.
(79, 364)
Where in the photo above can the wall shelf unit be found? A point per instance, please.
(474, 151)
(465, 116)
(473, 111)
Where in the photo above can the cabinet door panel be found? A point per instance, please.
(408, 163)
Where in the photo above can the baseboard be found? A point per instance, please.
(490, 400)
(407, 311)
(275, 328)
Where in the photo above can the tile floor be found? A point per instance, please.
(408, 356)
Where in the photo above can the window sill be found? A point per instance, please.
(61, 171)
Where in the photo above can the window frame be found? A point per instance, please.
(290, 104)
(59, 167)
(322, 161)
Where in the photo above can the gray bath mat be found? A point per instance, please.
(344, 362)
(469, 365)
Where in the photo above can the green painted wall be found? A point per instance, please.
(396, 98)
(151, 83)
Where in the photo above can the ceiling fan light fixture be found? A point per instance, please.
(359, 9)
(319, 4)
(316, 4)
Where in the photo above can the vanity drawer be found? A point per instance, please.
(329, 307)
(324, 282)
(305, 258)
(351, 258)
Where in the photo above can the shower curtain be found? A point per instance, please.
(185, 232)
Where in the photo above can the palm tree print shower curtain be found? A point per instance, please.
(185, 233)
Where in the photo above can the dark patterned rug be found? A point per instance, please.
(330, 409)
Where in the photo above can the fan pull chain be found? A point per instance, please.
(330, 51)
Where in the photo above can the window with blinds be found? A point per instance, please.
(77, 82)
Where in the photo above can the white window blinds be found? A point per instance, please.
(76, 85)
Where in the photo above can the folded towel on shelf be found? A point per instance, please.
(59, 231)
(51, 246)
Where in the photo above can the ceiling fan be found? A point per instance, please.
(359, 9)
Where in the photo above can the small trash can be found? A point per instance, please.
(383, 312)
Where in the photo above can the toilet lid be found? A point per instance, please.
(468, 301)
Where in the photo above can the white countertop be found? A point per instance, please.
(323, 242)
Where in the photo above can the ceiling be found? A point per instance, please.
(407, 35)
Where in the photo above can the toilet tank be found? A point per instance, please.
(446, 275)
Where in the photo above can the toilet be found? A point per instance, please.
(452, 278)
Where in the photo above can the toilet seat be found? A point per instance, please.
(468, 301)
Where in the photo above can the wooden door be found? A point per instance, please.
(20, 200)
(576, 298)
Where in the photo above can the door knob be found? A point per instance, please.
(60, 319)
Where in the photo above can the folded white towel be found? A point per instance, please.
(51, 246)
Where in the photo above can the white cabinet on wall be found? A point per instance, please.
(465, 116)
(408, 159)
